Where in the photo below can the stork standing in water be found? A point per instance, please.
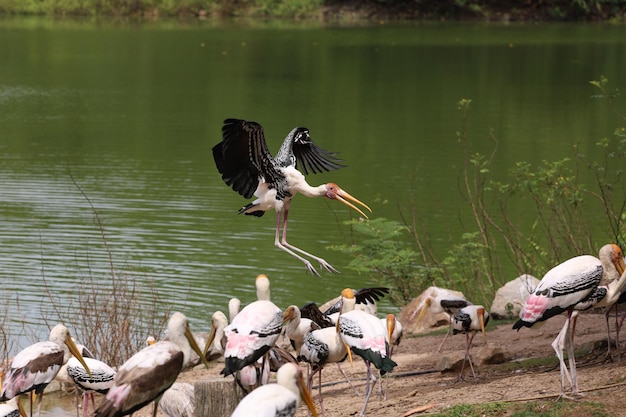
(147, 374)
(100, 380)
(246, 165)
(570, 287)
(469, 320)
(36, 366)
(277, 400)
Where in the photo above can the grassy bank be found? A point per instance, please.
(533, 10)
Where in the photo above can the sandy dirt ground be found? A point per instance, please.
(416, 383)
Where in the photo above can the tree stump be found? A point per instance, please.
(215, 397)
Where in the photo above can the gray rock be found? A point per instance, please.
(511, 297)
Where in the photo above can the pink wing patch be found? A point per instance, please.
(534, 308)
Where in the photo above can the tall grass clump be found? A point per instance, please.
(567, 218)
(109, 312)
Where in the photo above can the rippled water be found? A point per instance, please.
(130, 113)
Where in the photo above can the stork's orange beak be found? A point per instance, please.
(304, 394)
(74, 350)
(481, 319)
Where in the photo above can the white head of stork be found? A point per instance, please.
(147, 374)
(36, 366)
(280, 399)
(244, 160)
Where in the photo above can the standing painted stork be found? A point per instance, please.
(251, 335)
(394, 331)
(246, 165)
(100, 380)
(469, 320)
(320, 347)
(571, 286)
(147, 374)
(216, 341)
(441, 300)
(36, 366)
(366, 337)
(297, 327)
(277, 400)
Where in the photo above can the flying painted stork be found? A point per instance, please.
(366, 337)
(469, 320)
(36, 366)
(442, 300)
(246, 165)
(277, 400)
(569, 287)
(100, 380)
(147, 374)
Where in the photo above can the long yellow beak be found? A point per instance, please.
(481, 319)
(391, 326)
(195, 347)
(304, 394)
(210, 339)
(343, 196)
(74, 349)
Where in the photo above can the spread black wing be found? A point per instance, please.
(242, 157)
(311, 157)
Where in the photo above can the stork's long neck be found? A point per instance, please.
(307, 190)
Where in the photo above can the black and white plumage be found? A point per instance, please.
(100, 380)
(469, 320)
(277, 400)
(147, 374)
(12, 408)
(246, 165)
(36, 366)
(366, 336)
(572, 286)
(320, 347)
(179, 401)
(251, 334)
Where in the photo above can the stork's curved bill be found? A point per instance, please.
(335, 192)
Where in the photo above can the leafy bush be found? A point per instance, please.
(561, 205)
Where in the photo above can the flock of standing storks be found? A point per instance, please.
(319, 335)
